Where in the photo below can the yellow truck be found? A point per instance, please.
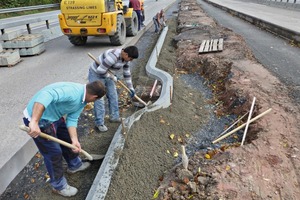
(82, 18)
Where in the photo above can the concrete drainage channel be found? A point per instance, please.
(102, 180)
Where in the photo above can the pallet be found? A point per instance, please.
(214, 45)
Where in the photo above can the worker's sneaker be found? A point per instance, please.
(68, 191)
(102, 128)
(84, 166)
(118, 120)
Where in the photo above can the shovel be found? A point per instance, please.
(54, 139)
(122, 84)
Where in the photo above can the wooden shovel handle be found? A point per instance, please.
(121, 83)
(54, 139)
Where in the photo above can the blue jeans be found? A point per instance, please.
(138, 13)
(53, 152)
(112, 97)
(156, 24)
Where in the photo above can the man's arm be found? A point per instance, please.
(74, 138)
(37, 112)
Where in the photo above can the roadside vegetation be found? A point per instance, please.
(24, 3)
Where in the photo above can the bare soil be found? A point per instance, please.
(266, 167)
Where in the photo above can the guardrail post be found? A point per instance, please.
(28, 28)
(47, 24)
(2, 31)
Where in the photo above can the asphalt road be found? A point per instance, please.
(60, 62)
(275, 53)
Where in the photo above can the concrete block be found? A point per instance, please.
(1, 48)
(24, 41)
(38, 49)
(9, 57)
(51, 33)
(11, 35)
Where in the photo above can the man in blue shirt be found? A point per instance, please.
(55, 110)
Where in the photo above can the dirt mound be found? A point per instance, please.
(267, 166)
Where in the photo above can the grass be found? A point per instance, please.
(8, 15)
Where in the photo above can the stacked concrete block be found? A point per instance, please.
(28, 45)
(11, 35)
(9, 58)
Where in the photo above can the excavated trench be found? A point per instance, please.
(203, 103)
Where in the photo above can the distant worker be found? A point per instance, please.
(136, 5)
(143, 11)
(159, 20)
(55, 110)
(111, 61)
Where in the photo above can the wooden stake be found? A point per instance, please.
(123, 127)
(240, 127)
(248, 121)
(233, 124)
(153, 88)
(170, 98)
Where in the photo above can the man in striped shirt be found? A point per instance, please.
(111, 61)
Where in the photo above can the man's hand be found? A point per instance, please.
(34, 130)
(132, 92)
(113, 77)
(76, 144)
(74, 139)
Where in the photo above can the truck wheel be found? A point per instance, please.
(119, 37)
(78, 40)
(132, 25)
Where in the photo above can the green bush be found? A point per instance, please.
(22, 3)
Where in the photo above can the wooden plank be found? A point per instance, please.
(202, 46)
(206, 48)
(215, 45)
(220, 46)
(211, 45)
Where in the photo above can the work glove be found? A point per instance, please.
(132, 92)
(113, 77)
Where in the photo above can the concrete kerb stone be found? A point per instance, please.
(102, 180)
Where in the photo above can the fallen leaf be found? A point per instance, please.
(227, 168)
(207, 156)
(175, 154)
(172, 136)
(162, 121)
(187, 135)
(36, 166)
(186, 180)
(199, 169)
(168, 151)
(88, 106)
(26, 196)
(32, 180)
(38, 155)
(179, 139)
(155, 194)
(47, 176)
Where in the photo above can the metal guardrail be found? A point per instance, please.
(20, 9)
(28, 20)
